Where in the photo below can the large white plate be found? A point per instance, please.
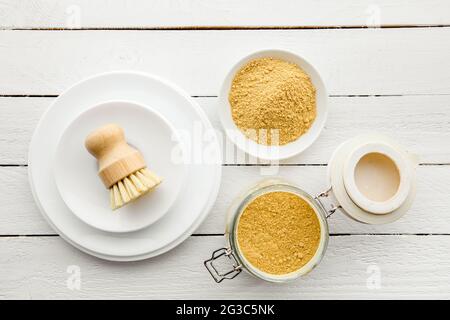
(195, 200)
(76, 170)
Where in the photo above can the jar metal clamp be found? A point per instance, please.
(217, 275)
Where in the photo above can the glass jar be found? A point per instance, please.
(233, 252)
(342, 190)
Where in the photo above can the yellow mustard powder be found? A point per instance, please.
(278, 232)
(273, 102)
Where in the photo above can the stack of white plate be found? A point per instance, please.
(176, 139)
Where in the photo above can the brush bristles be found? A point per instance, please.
(132, 187)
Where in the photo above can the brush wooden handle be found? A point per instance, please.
(116, 158)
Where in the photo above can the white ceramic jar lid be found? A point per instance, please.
(397, 170)
(341, 178)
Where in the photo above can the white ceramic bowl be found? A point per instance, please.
(273, 153)
(76, 175)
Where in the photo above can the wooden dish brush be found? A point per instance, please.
(121, 167)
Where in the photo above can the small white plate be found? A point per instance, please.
(76, 170)
(273, 153)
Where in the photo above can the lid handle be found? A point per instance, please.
(325, 194)
(216, 274)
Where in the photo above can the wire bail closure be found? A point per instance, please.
(217, 275)
(334, 207)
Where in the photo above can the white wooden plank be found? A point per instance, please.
(351, 61)
(407, 266)
(18, 119)
(429, 213)
(206, 13)
(420, 123)
(18, 212)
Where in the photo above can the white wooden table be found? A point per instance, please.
(394, 79)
